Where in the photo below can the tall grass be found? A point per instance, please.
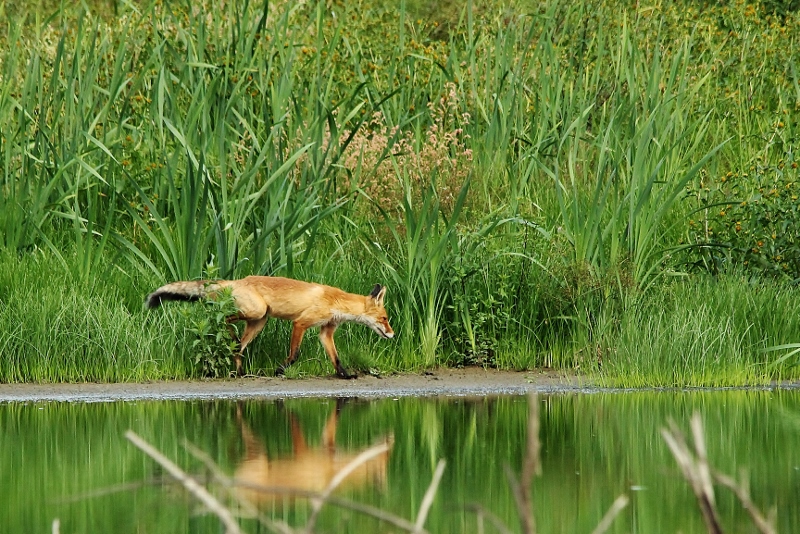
(422, 245)
(710, 333)
(247, 176)
(55, 329)
(274, 138)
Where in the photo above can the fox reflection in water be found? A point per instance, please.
(309, 469)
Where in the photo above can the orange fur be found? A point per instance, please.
(308, 469)
(306, 304)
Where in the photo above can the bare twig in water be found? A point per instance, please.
(221, 478)
(365, 509)
(616, 507)
(482, 512)
(319, 501)
(531, 466)
(427, 500)
(522, 488)
(110, 490)
(217, 473)
(695, 468)
(191, 485)
(524, 510)
(698, 473)
(764, 525)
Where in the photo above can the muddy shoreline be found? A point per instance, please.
(440, 382)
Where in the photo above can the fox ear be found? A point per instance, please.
(378, 292)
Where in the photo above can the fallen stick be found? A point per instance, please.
(191, 485)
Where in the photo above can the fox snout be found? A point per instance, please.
(376, 313)
(382, 328)
(387, 334)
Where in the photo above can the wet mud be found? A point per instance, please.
(442, 382)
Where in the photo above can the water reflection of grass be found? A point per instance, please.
(593, 448)
(693, 461)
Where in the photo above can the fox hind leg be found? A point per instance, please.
(251, 330)
(253, 310)
(294, 347)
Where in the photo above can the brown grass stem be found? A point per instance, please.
(695, 469)
(365, 509)
(427, 500)
(531, 466)
(191, 485)
(319, 501)
(763, 524)
(227, 483)
(483, 513)
(616, 507)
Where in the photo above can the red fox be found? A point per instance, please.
(306, 304)
(308, 468)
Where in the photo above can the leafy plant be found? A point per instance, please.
(212, 347)
(749, 220)
(483, 287)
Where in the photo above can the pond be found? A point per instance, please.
(72, 461)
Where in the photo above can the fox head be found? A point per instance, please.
(375, 313)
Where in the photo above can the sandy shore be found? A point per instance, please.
(446, 382)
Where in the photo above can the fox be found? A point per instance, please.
(308, 468)
(305, 304)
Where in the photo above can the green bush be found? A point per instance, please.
(212, 344)
(750, 221)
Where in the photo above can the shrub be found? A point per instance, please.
(213, 346)
(750, 220)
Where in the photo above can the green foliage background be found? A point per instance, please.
(596, 186)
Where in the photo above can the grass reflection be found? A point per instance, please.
(594, 447)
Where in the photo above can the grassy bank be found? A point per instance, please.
(528, 181)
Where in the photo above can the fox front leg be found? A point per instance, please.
(326, 337)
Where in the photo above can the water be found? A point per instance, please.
(71, 461)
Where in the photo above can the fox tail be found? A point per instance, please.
(184, 291)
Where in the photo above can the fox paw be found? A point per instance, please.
(344, 373)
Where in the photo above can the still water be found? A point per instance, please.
(71, 461)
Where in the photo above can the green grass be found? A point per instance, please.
(526, 179)
(57, 330)
(711, 332)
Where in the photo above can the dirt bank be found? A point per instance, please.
(447, 382)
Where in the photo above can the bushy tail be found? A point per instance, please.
(185, 291)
